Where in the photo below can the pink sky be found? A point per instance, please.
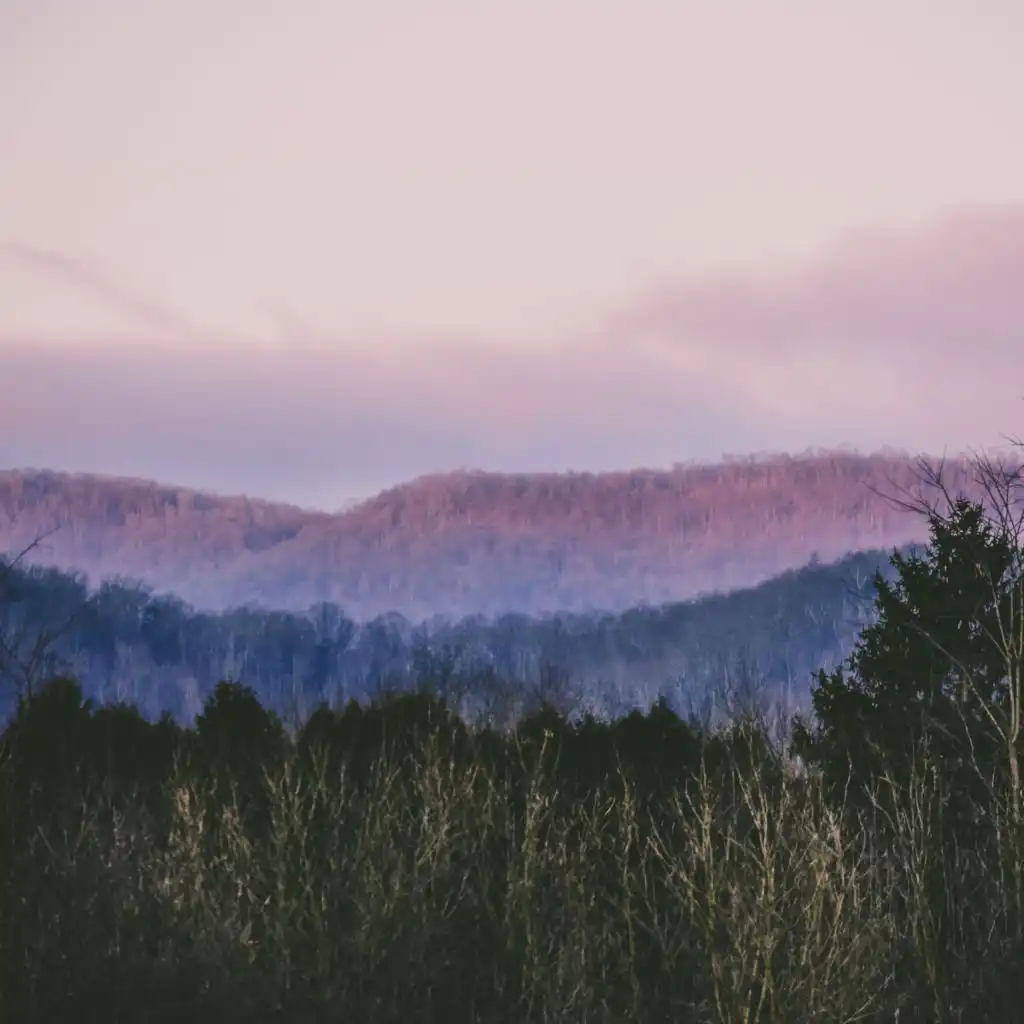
(306, 249)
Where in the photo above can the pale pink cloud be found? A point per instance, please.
(911, 340)
(956, 284)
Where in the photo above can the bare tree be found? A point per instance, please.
(26, 648)
(1001, 485)
(555, 689)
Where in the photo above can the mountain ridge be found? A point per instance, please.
(122, 642)
(472, 541)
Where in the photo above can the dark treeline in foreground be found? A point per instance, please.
(390, 863)
(125, 644)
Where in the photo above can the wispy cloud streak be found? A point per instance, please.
(144, 310)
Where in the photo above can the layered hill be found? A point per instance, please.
(123, 643)
(474, 542)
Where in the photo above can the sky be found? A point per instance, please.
(306, 249)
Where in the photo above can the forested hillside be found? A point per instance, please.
(124, 643)
(388, 861)
(477, 543)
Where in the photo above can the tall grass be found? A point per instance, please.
(476, 883)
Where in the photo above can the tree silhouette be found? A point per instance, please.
(235, 727)
(48, 741)
(938, 667)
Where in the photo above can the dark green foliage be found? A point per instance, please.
(388, 863)
(236, 728)
(934, 668)
(114, 766)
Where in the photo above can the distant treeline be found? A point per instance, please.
(471, 542)
(125, 643)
